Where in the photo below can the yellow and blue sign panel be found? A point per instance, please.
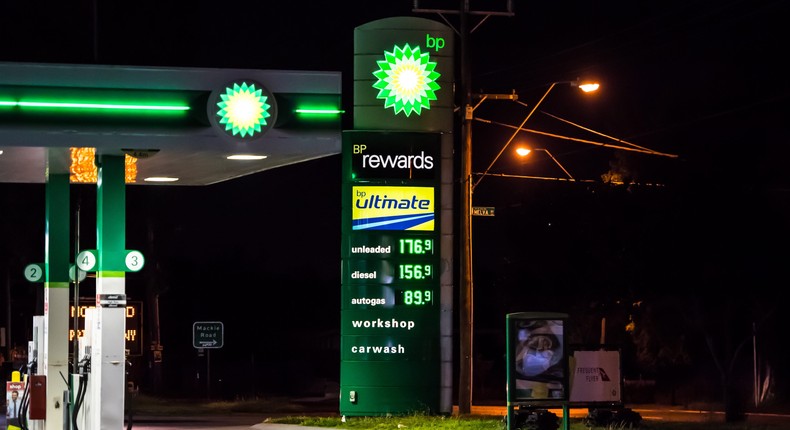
(392, 208)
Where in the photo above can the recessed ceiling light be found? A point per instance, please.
(160, 179)
(246, 157)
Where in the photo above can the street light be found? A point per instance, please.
(466, 317)
(523, 152)
(585, 86)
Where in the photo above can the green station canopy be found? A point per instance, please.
(176, 122)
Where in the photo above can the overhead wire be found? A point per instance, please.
(576, 139)
(633, 145)
(634, 34)
(686, 16)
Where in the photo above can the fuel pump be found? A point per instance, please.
(32, 410)
(80, 384)
(24, 401)
(80, 381)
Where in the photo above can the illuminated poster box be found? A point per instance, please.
(537, 357)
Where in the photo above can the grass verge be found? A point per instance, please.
(419, 422)
(414, 422)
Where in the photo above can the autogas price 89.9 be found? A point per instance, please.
(415, 298)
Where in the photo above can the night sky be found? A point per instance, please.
(700, 80)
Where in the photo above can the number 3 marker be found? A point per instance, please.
(134, 261)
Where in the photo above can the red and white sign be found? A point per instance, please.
(13, 397)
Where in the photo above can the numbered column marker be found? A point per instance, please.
(34, 272)
(134, 261)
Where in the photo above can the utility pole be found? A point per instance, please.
(466, 317)
(466, 288)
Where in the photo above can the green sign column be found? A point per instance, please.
(53, 361)
(390, 349)
(396, 310)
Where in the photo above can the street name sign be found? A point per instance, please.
(207, 334)
(482, 211)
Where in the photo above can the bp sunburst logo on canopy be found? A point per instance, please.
(244, 109)
(406, 80)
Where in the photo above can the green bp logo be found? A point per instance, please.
(406, 80)
(243, 109)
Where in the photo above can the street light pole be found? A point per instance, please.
(466, 326)
(465, 225)
(515, 133)
(466, 315)
(557, 161)
(524, 152)
(576, 83)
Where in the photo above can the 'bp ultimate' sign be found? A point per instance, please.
(390, 273)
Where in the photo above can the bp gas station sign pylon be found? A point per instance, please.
(396, 307)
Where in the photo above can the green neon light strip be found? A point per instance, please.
(319, 111)
(99, 106)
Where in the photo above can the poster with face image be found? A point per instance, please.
(539, 359)
(13, 399)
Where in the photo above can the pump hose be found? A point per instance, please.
(74, 408)
(81, 389)
(21, 415)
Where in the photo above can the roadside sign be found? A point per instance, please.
(483, 210)
(207, 334)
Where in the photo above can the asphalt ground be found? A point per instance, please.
(244, 421)
(648, 412)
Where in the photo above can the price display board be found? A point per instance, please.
(390, 273)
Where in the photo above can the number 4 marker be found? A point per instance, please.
(86, 260)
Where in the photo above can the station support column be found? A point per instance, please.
(53, 361)
(108, 354)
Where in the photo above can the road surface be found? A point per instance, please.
(256, 421)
